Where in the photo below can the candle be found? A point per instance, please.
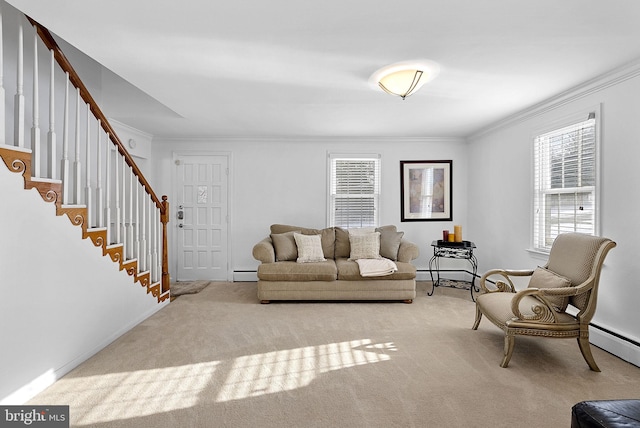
(452, 237)
(445, 235)
(457, 230)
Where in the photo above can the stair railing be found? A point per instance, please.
(89, 173)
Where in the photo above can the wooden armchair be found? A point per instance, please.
(570, 277)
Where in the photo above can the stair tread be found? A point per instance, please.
(45, 180)
(16, 148)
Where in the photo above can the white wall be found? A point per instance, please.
(62, 301)
(137, 143)
(499, 199)
(285, 181)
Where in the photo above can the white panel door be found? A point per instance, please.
(202, 232)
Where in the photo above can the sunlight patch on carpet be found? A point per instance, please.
(134, 394)
(286, 370)
(139, 393)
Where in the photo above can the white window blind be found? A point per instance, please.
(565, 180)
(354, 183)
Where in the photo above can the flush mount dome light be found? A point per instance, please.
(404, 78)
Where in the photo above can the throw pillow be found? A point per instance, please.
(364, 246)
(327, 236)
(285, 246)
(389, 242)
(544, 278)
(309, 248)
(362, 230)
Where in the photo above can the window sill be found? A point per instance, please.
(538, 254)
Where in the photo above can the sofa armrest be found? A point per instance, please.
(408, 251)
(264, 251)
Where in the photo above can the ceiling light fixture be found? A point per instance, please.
(404, 78)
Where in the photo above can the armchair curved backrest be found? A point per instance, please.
(579, 258)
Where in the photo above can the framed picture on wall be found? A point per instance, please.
(425, 190)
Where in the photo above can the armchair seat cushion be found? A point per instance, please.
(497, 307)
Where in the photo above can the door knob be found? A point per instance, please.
(180, 225)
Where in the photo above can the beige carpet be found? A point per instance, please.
(220, 359)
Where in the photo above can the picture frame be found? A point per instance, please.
(426, 190)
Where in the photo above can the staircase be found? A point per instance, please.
(88, 174)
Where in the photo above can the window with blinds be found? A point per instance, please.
(565, 180)
(354, 190)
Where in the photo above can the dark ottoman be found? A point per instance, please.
(606, 413)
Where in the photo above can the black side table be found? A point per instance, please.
(453, 250)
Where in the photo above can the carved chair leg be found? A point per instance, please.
(478, 318)
(509, 343)
(585, 348)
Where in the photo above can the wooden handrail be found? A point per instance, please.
(75, 80)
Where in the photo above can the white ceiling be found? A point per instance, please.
(286, 68)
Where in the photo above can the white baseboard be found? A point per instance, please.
(45, 380)
(245, 276)
(621, 348)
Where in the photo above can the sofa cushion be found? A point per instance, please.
(389, 242)
(285, 246)
(309, 248)
(364, 246)
(544, 278)
(349, 270)
(292, 271)
(328, 236)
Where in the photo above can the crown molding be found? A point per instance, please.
(307, 139)
(614, 77)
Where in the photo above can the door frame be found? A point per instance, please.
(173, 209)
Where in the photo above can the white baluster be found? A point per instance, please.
(18, 128)
(107, 183)
(2, 112)
(35, 128)
(64, 165)
(149, 233)
(136, 246)
(130, 206)
(116, 176)
(77, 164)
(158, 246)
(155, 258)
(99, 195)
(123, 202)
(51, 135)
(87, 189)
(143, 230)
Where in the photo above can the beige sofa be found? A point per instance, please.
(282, 277)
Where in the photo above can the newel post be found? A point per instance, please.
(164, 218)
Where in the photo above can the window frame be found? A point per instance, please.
(539, 222)
(332, 157)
